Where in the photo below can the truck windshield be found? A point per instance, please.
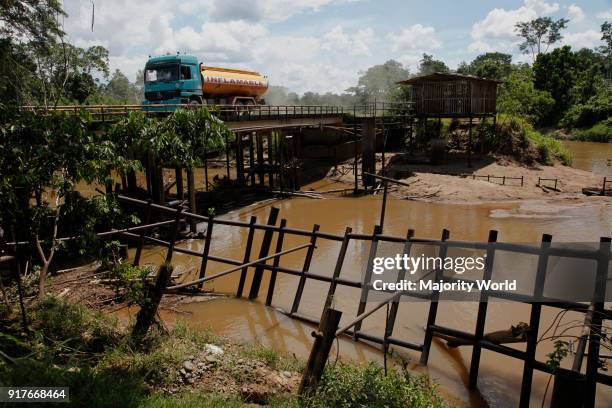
(161, 73)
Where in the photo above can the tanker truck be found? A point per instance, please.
(181, 79)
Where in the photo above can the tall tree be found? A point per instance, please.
(539, 34)
(429, 65)
(496, 65)
(379, 81)
(557, 73)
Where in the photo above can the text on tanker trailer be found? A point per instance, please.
(180, 79)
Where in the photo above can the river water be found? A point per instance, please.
(526, 221)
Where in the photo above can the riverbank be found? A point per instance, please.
(487, 180)
(72, 345)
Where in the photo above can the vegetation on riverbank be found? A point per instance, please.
(74, 346)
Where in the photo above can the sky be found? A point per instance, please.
(319, 45)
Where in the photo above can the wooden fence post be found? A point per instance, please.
(247, 255)
(338, 268)
(147, 219)
(263, 252)
(482, 312)
(366, 279)
(305, 268)
(534, 323)
(433, 307)
(206, 250)
(596, 321)
(319, 353)
(279, 248)
(400, 277)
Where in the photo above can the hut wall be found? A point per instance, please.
(454, 98)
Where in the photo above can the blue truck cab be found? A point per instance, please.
(172, 80)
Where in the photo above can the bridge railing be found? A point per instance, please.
(228, 113)
(232, 113)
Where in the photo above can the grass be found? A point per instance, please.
(73, 346)
(350, 385)
(600, 132)
(516, 136)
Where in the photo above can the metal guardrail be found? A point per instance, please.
(231, 113)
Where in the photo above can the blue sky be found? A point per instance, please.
(319, 45)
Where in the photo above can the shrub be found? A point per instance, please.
(346, 386)
(515, 136)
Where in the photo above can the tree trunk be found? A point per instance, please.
(146, 315)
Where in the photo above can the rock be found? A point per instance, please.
(286, 374)
(74, 370)
(183, 372)
(212, 359)
(212, 349)
(188, 365)
(256, 394)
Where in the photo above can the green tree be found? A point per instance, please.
(379, 82)
(120, 89)
(518, 96)
(43, 158)
(539, 34)
(428, 65)
(495, 65)
(606, 49)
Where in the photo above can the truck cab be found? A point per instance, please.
(172, 80)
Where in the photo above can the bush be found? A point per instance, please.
(515, 136)
(346, 386)
(600, 132)
(74, 325)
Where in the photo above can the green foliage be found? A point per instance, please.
(599, 132)
(518, 96)
(561, 350)
(73, 325)
(429, 65)
(348, 386)
(515, 136)
(131, 281)
(494, 65)
(379, 82)
(192, 400)
(596, 109)
(539, 34)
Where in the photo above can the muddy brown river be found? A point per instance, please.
(500, 376)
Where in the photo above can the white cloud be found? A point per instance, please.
(585, 39)
(497, 29)
(413, 38)
(542, 7)
(357, 43)
(575, 13)
(606, 15)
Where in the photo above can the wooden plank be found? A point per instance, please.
(147, 219)
(433, 307)
(367, 275)
(263, 252)
(247, 255)
(279, 248)
(305, 268)
(482, 313)
(596, 322)
(400, 277)
(534, 323)
(338, 268)
(206, 250)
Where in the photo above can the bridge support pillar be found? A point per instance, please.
(368, 150)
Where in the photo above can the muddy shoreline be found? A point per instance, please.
(455, 183)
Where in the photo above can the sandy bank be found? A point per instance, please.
(454, 183)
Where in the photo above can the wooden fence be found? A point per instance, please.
(596, 311)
